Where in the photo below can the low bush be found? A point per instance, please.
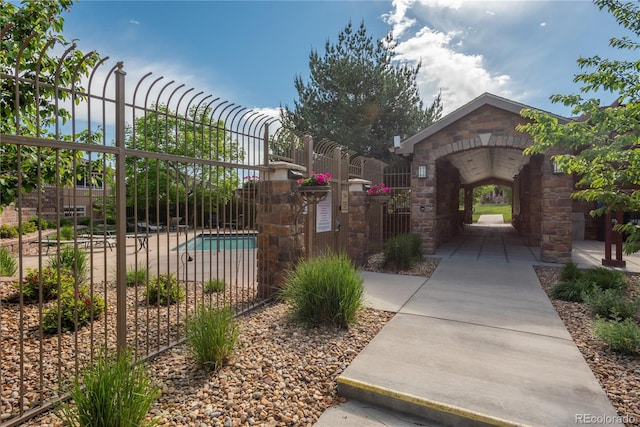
(54, 282)
(571, 291)
(324, 291)
(27, 227)
(164, 290)
(570, 272)
(65, 222)
(609, 303)
(73, 260)
(115, 391)
(621, 336)
(8, 231)
(402, 252)
(605, 278)
(8, 265)
(211, 335)
(214, 285)
(38, 223)
(73, 310)
(137, 276)
(66, 233)
(84, 220)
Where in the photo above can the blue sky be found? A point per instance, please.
(248, 52)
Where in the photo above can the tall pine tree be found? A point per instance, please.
(358, 97)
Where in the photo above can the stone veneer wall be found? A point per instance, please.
(557, 209)
(448, 203)
(280, 226)
(50, 199)
(280, 233)
(459, 136)
(359, 206)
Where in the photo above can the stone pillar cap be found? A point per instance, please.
(286, 165)
(359, 181)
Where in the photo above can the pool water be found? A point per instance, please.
(216, 242)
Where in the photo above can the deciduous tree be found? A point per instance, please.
(26, 52)
(602, 146)
(160, 185)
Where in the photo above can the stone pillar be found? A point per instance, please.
(557, 217)
(280, 228)
(423, 204)
(536, 177)
(359, 204)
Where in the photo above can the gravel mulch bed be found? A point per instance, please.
(282, 374)
(33, 365)
(618, 375)
(279, 375)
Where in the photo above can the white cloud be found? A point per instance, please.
(133, 21)
(460, 77)
(398, 17)
(543, 24)
(446, 68)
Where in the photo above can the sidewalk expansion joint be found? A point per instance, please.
(429, 404)
(500, 328)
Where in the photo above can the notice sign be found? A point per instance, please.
(323, 215)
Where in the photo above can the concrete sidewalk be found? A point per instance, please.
(478, 343)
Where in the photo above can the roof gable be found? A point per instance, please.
(407, 146)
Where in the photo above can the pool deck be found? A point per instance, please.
(161, 254)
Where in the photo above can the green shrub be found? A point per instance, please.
(571, 291)
(605, 278)
(73, 310)
(8, 231)
(27, 227)
(66, 233)
(211, 335)
(214, 285)
(8, 265)
(112, 392)
(570, 273)
(402, 251)
(164, 290)
(73, 260)
(52, 281)
(621, 336)
(609, 303)
(325, 291)
(137, 276)
(39, 223)
(84, 220)
(65, 222)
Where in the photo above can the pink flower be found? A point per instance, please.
(315, 179)
(379, 189)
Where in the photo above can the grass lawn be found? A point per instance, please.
(504, 210)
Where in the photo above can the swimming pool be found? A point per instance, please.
(219, 242)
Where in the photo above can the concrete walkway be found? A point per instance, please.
(478, 343)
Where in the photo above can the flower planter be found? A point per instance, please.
(313, 193)
(380, 198)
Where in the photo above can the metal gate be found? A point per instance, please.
(396, 218)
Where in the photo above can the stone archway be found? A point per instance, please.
(479, 142)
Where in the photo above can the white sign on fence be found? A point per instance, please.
(323, 215)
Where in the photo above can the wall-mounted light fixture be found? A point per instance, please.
(555, 167)
(422, 171)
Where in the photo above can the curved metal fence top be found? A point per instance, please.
(85, 86)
